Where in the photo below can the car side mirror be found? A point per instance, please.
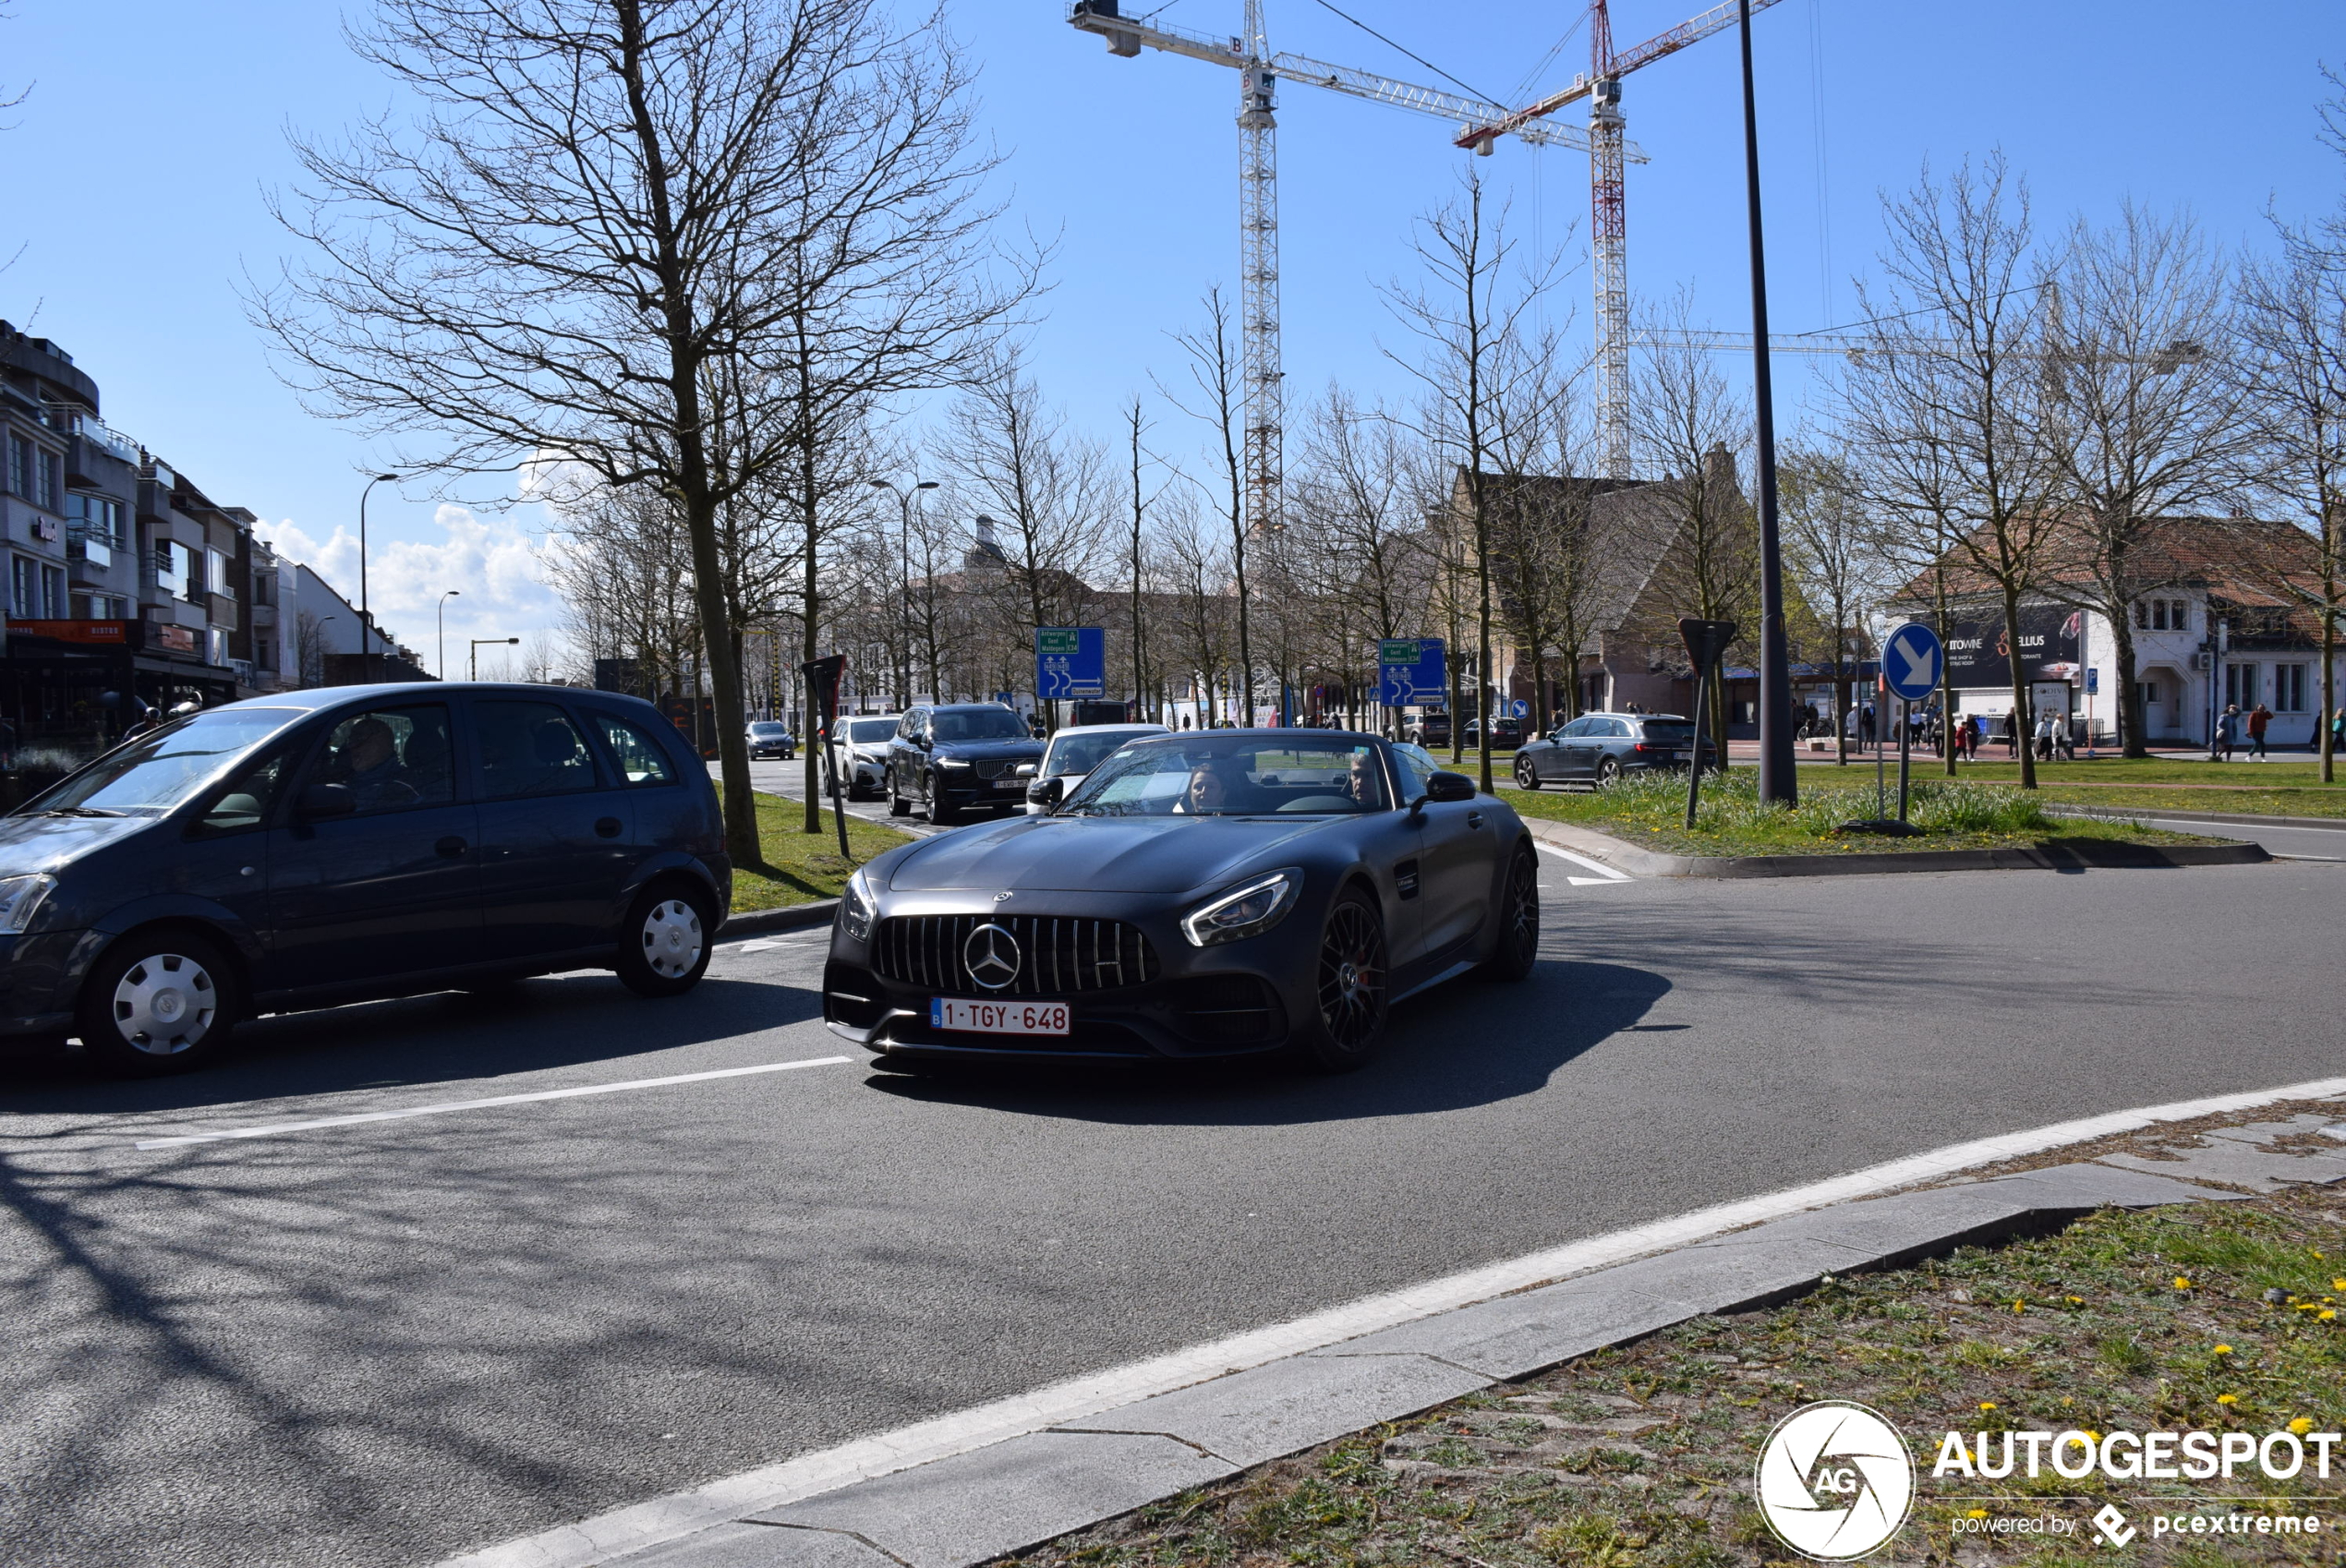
(1024, 770)
(923, 742)
(326, 799)
(1449, 787)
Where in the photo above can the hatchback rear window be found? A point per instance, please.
(1669, 734)
(640, 759)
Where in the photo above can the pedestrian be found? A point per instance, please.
(2227, 731)
(1865, 726)
(2045, 737)
(2337, 732)
(2011, 732)
(2260, 719)
(2065, 740)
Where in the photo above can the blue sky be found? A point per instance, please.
(135, 179)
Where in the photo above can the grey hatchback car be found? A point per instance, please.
(319, 847)
(1598, 748)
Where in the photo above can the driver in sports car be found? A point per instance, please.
(1208, 792)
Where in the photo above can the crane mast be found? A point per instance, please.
(1608, 247)
(1259, 276)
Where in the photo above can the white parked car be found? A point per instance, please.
(862, 753)
(1073, 753)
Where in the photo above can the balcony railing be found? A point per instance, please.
(80, 546)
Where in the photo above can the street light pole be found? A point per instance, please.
(481, 642)
(442, 613)
(366, 620)
(904, 599)
(1778, 781)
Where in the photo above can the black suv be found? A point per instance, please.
(952, 757)
(319, 847)
(1600, 747)
(1431, 730)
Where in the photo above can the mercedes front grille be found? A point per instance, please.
(1058, 956)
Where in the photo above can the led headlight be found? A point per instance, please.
(1248, 909)
(20, 900)
(856, 907)
(952, 761)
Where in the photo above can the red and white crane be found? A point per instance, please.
(1608, 221)
(1260, 71)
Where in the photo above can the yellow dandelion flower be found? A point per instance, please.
(2093, 1434)
(2303, 1425)
(2223, 1350)
(2076, 1301)
(1987, 1405)
(2020, 1307)
(2326, 1314)
(2228, 1399)
(2182, 1283)
(1975, 1513)
(2338, 1285)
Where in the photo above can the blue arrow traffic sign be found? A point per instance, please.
(1911, 660)
(1069, 661)
(1410, 672)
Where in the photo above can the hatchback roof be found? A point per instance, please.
(315, 697)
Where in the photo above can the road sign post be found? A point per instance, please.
(822, 700)
(1912, 659)
(1706, 645)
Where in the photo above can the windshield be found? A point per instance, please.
(1669, 734)
(157, 771)
(1243, 775)
(977, 724)
(765, 730)
(871, 731)
(1080, 754)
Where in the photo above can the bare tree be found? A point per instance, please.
(608, 208)
(1219, 401)
(1362, 491)
(2135, 328)
(1834, 547)
(1952, 398)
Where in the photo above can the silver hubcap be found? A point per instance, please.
(672, 940)
(165, 1003)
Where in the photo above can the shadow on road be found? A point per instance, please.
(446, 1037)
(1461, 1045)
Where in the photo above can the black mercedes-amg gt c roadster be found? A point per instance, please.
(1209, 894)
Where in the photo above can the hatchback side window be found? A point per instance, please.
(530, 749)
(639, 757)
(392, 758)
(245, 804)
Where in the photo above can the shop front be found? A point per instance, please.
(67, 691)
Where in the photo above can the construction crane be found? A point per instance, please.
(1608, 221)
(1259, 72)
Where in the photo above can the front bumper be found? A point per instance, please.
(1233, 999)
(40, 976)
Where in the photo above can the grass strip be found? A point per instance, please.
(1648, 809)
(2215, 1316)
(799, 866)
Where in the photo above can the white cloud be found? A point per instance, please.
(495, 565)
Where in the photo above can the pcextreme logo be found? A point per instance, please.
(1835, 1482)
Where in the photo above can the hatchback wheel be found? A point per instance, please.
(1608, 769)
(1525, 776)
(664, 948)
(1347, 1024)
(158, 1004)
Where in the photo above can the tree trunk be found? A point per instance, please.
(2133, 738)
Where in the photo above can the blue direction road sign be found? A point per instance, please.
(1412, 672)
(1520, 707)
(1069, 661)
(1911, 660)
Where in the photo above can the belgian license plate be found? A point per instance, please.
(998, 1018)
(1010, 783)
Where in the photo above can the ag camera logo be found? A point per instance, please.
(1835, 1481)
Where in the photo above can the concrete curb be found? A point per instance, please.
(973, 1507)
(2248, 819)
(790, 917)
(2077, 855)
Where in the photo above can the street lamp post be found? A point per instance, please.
(481, 642)
(442, 613)
(367, 621)
(1779, 779)
(904, 600)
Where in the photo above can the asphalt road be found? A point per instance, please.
(384, 1343)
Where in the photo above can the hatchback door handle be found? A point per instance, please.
(607, 827)
(451, 846)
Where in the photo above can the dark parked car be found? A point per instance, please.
(1431, 730)
(953, 757)
(1212, 894)
(769, 740)
(327, 846)
(1505, 733)
(1600, 747)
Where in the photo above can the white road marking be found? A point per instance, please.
(1604, 873)
(1596, 881)
(625, 1530)
(276, 1129)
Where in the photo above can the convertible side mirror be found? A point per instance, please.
(326, 799)
(1449, 787)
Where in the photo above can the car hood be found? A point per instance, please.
(44, 843)
(1117, 854)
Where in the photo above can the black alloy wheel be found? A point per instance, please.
(1519, 946)
(939, 814)
(1525, 776)
(897, 804)
(1348, 1023)
(1608, 769)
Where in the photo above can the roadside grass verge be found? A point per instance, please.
(1642, 1457)
(1648, 809)
(800, 866)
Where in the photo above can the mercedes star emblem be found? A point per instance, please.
(991, 953)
